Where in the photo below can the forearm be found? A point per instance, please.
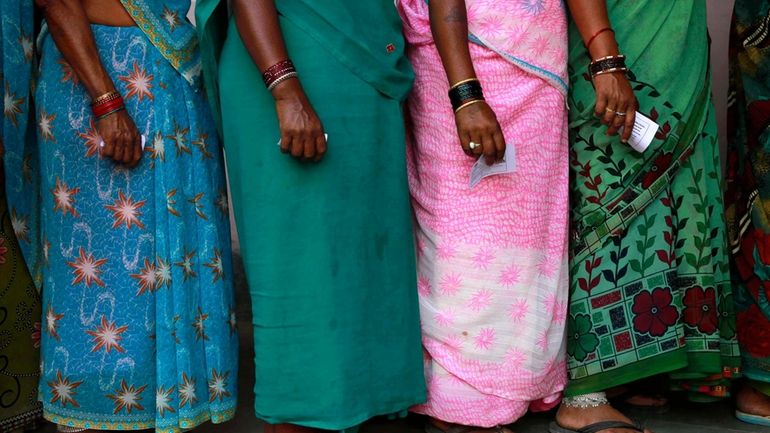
(449, 25)
(591, 16)
(71, 31)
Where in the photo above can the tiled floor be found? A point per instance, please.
(683, 417)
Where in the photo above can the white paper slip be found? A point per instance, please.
(101, 143)
(643, 133)
(481, 170)
(326, 137)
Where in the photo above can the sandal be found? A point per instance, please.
(752, 419)
(596, 427)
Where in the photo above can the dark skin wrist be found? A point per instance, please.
(302, 134)
(616, 103)
(71, 31)
(476, 123)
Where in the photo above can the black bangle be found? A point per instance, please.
(465, 91)
(608, 64)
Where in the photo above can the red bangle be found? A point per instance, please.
(277, 72)
(590, 41)
(103, 108)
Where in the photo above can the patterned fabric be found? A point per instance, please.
(138, 304)
(20, 160)
(165, 24)
(748, 193)
(492, 261)
(19, 331)
(650, 288)
(19, 298)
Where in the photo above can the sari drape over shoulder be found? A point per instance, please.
(328, 248)
(492, 261)
(748, 191)
(650, 285)
(139, 323)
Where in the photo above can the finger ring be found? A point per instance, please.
(619, 114)
(610, 110)
(473, 145)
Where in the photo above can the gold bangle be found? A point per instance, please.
(609, 71)
(463, 82)
(467, 104)
(109, 96)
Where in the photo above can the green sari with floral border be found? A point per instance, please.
(650, 288)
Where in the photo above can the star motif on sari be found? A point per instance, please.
(64, 198)
(480, 300)
(233, 322)
(20, 226)
(157, 147)
(200, 326)
(180, 140)
(163, 400)
(202, 144)
(171, 18)
(92, 139)
(107, 336)
(147, 278)
(63, 391)
(86, 269)
(162, 273)
(218, 386)
(68, 74)
(27, 46)
(36, 335)
(222, 202)
(170, 202)
(197, 202)
(509, 276)
(483, 258)
(187, 264)
(216, 266)
(485, 339)
(12, 105)
(52, 322)
(518, 310)
(127, 397)
(45, 126)
(139, 83)
(187, 391)
(126, 211)
(46, 250)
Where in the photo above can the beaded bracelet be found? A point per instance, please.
(465, 92)
(606, 65)
(282, 71)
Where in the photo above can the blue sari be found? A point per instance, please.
(139, 322)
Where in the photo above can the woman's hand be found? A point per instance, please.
(302, 134)
(122, 141)
(615, 95)
(477, 123)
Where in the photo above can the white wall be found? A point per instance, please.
(720, 13)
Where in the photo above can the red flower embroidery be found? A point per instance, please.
(653, 312)
(754, 332)
(701, 309)
(660, 165)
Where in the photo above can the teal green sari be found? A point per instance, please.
(328, 247)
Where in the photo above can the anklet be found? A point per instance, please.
(585, 401)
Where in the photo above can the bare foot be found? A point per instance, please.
(574, 418)
(753, 402)
(447, 427)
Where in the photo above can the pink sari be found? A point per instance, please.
(492, 260)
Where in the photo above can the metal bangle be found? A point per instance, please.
(469, 103)
(281, 79)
